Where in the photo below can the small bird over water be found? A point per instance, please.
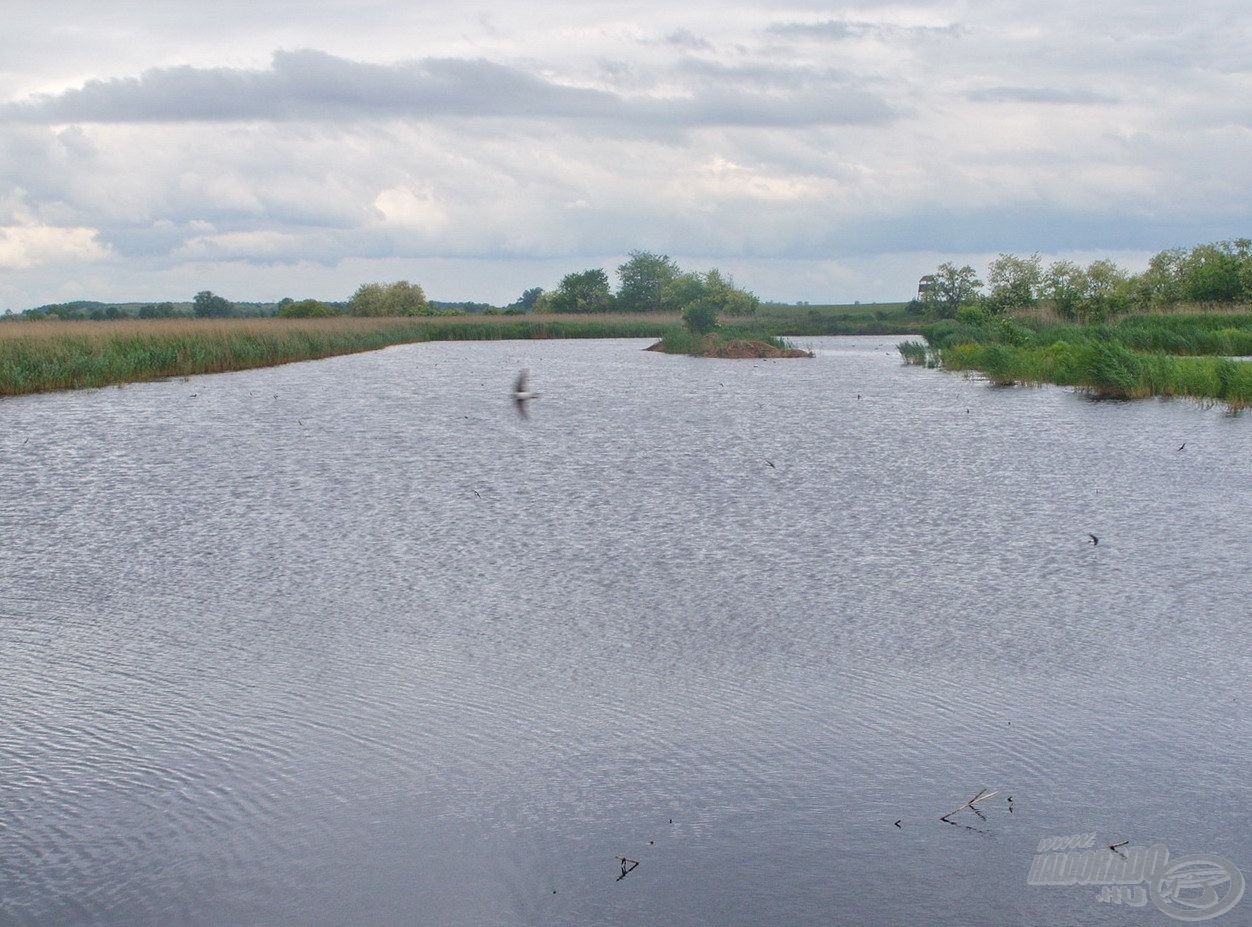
(522, 393)
(1094, 540)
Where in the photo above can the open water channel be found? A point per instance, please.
(351, 643)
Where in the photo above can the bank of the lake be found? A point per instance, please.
(1188, 354)
(54, 355)
(44, 356)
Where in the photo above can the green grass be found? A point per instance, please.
(1133, 357)
(678, 340)
(857, 319)
(38, 356)
(54, 355)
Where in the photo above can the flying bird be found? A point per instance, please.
(1094, 540)
(1181, 446)
(522, 393)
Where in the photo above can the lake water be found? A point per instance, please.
(350, 643)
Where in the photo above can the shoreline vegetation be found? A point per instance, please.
(1196, 354)
(54, 355)
(51, 354)
(83, 344)
(1179, 328)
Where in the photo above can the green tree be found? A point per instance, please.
(704, 299)
(948, 289)
(208, 305)
(527, 301)
(1161, 283)
(645, 283)
(701, 316)
(157, 311)
(584, 291)
(1107, 291)
(389, 299)
(306, 309)
(1065, 286)
(1212, 273)
(1013, 283)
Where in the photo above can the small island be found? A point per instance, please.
(715, 344)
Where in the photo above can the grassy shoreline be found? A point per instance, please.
(1189, 355)
(44, 356)
(53, 355)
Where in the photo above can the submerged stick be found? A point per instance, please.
(982, 795)
(628, 866)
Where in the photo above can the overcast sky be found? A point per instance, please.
(816, 151)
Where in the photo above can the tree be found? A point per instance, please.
(646, 283)
(949, 288)
(1013, 283)
(1211, 273)
(528, 300)
(701, 316)
(157, 311)
(1065, 285)
(1161, 283)
(705, 298)
(585, 291)
(388, 299)
(208, 305)
(1107, 291)
(306, 309)
(1088, 294)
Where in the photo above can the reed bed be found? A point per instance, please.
(1184, 354)
(56, 355)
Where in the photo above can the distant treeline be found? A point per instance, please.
(647, 283)
(1217, 275)
(396, 299)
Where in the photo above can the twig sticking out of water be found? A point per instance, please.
(628, 866)
(982, 795)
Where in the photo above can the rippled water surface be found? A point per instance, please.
(349, 642)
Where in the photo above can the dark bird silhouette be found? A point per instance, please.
(1094, 540)
(522, 393)
(1181, 446)
(771, 463)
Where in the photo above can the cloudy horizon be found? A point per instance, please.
(815, 152)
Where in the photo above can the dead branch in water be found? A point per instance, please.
(628, 866)
(982, 795)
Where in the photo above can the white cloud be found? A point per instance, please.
(26, 246)
(169, 143)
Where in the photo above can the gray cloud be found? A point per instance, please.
(685, 38)
(311, 85)
(837, 30)
(1039, 95)
(314, 85)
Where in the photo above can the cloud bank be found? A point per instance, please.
(153, 153)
